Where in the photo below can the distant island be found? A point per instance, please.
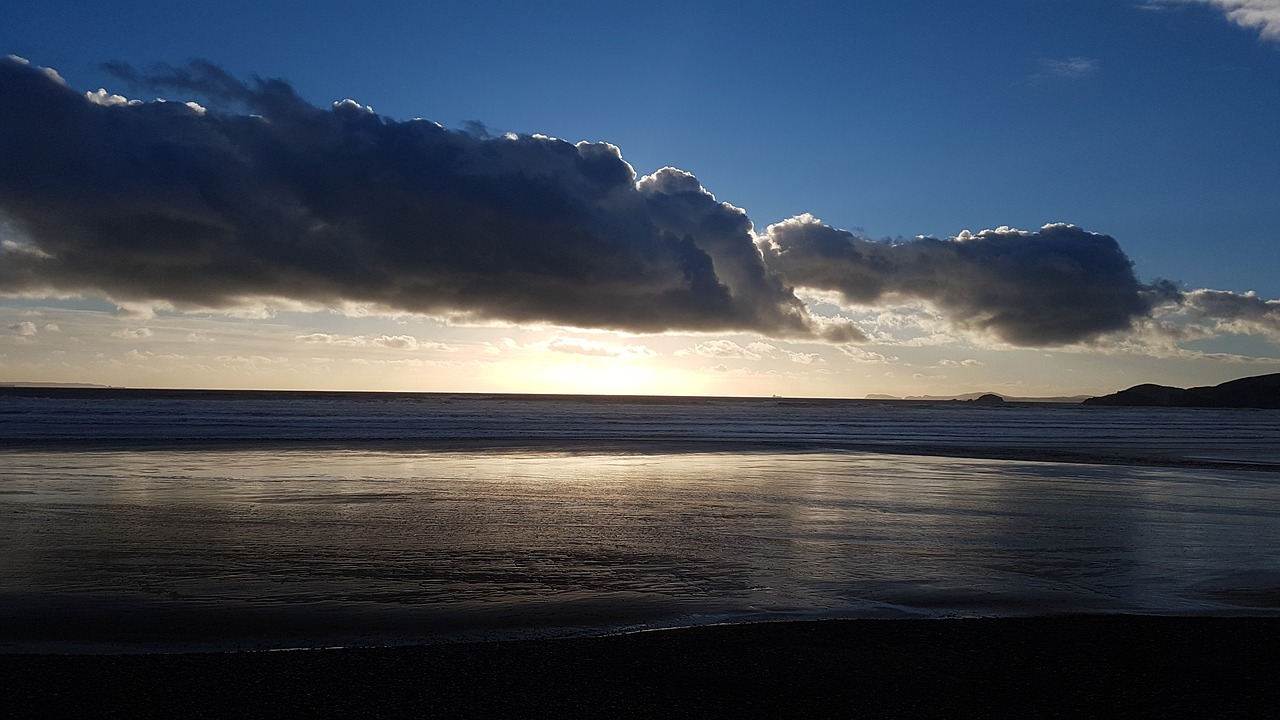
(988, 399)
(983, 397)
(1261, 391)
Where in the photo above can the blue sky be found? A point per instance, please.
(1154, 123)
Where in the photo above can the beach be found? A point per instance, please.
(337, 555)
(1069, 667)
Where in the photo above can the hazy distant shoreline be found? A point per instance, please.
(27, 388)
(1262, 391)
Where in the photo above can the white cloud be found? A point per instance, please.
(25, 328)
(133, 333)
(141, 311)
(969, 362)
(397, 342)
(1260, 15)
(1072, 67)
(805, 358)
(576, 346)
(102, 97)
(772, 351)
(250, 359)
(857, 354)
(579, 346)
(320, 338)
(727, 349)
(19, 247)
(393, 342)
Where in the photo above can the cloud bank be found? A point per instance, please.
(255, 196)
(208, 209)
(1057, 286)
(1245, 314)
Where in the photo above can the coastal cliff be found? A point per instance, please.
(1261, 391)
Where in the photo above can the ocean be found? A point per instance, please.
(134, 520)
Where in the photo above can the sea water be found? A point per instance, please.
(180, 520)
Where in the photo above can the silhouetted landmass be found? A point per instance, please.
(1261, 391)
(988, 399)
(980, 395)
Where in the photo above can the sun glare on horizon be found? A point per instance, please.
(608, 376)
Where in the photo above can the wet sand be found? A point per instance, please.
(1069, 667)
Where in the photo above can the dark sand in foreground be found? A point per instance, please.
(1121, 666)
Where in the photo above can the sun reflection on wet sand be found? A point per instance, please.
(445, 542)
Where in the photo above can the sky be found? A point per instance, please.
(1030, 197)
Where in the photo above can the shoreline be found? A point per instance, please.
(1056, 666)
(119, 632)
(1109, 457)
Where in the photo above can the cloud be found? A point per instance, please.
(1057, 286)
(133, 333)
(724, 349)
(320, 338)
(25, 328)
(397, 342)
(727, 349)
(866, 357)
(806, 358)
(394, 342)
(1163, 339)
(969, 362)
(256, 196)
(1201, 315)
(255, 200)
(1260, 15)
(1072, 67)
(765, 350)
(578, 346)
(1232, 312)
(102, 97)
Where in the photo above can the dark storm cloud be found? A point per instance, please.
(1057, 286)
(266, 196)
